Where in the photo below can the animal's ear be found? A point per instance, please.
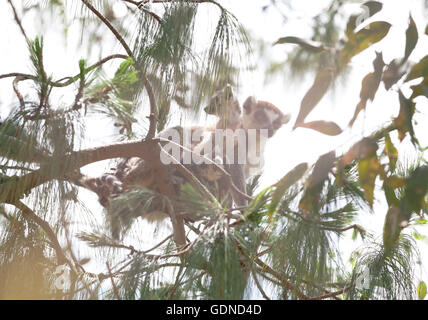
(285, 118)
(249, 103)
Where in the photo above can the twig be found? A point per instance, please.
(259, 285)
(110, 26)
(284, 281)
(196, 183)
(18, 94)
(115, 291)
(70, 79)
(191, 1)
(47, 229)
(18, 21)
(218, 167)
(354, 226)
(158, 245)
(141, 7)
(178, 226)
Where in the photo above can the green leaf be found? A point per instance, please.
(391, 152)
(308, 45)
(404, 118)
(368, 170)
(316, 92)
(418, 236)
(421, 290)
(373, 8)
(393, 72)
(420, 89)
(392, 228)
(395, 182)
(415, 191)
(326, 127)
(411, 38)
(419, 70)
(357, 42)
(421, 221)
(354, 234)
(286, 182)
(315, 183)
(369, 85)
(364, 148)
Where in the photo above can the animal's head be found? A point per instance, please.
(263, 115)
(226, 106)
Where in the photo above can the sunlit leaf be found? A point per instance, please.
(357, 42)
(419, 236)
(421, 221)
(370, 8)
(404, 119)
(421, 290)
(395, 182)
(368, 170)
(315, 182)
(369, 85)
(394, 71)
(415, 190)
(374, 7)
(362, 149)
(411, 38)
(391, 152)
(392, 228)
(286, 182)
(420, 89)
(308, 45)
(326, 127)
(419, 70)
(315, 93)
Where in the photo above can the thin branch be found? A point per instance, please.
(141, 7)
(110, 26)
(196, 183)
(70, 80)
(158, 245)
(18, 94)
(18, 21)
(218, 167)
(284, 281)
(46, 228)
(354, 226)
(191, 1)
(115, 291)
(259, 286)
(153, 106)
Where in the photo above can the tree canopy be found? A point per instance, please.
(167, 59)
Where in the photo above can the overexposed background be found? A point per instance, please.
(287, 148)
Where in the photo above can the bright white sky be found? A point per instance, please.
(287, 148)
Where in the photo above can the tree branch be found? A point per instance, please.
(12, 189)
